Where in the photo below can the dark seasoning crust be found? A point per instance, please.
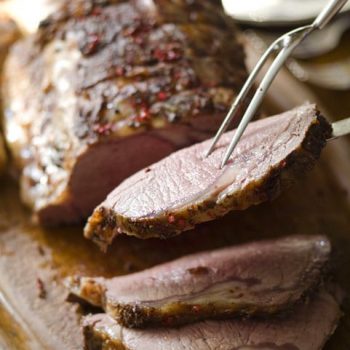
(132, 57)
(104, 224)
(149, 97)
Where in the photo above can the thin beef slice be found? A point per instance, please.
(186, 188)
(307, 328)
(254, 279)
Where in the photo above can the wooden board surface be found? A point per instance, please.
(33, 262)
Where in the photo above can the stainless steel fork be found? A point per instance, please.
(284, 46)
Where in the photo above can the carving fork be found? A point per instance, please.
(284, 46)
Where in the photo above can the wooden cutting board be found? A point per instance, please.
(33, 262)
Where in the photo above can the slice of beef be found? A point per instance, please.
(186, 188)
(105, 88)
(307, 328)
(260, 279)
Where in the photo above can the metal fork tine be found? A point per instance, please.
(242, 95)
(257, 99)
(248, 85)
(286, 44)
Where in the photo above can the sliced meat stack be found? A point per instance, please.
(186, 188)
(256, 279)
(105, 88)
(307, 328)
(266, 295)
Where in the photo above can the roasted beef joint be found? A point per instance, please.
(307, 328)
(186, 188)
(105, 88)
(255, 279)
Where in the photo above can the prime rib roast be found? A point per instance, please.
(255, 279)
(106, 88)
(186, 188)
(308, 327)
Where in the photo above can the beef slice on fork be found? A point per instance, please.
(187, 188)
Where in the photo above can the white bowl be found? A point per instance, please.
(275, 12)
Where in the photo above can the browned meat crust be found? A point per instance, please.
(184, 189)
(255, 279)
(308, 327)
(108, 87)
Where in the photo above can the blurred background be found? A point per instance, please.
(323, 60)
(321, 63)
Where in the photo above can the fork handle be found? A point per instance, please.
(332, 8)
(341, 128)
